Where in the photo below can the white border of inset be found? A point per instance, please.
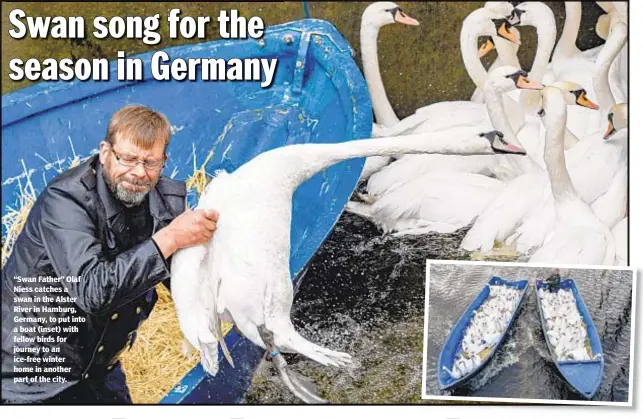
(516, 400)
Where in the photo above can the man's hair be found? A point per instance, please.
(140, 125)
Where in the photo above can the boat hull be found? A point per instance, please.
(583, 376)
(452, 344)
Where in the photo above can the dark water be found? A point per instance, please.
(364, 294)
(522, 367)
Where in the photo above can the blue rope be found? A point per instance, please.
(306, 11)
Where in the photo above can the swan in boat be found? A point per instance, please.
(578, 237)
(565, 331)
(376, 16)
(436, 201)
(242, 276)
(525, 194)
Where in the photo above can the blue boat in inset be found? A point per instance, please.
(453, 344)
(318, 95)
(583, 376)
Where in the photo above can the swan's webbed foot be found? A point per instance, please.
(302, 387)
(209, 355)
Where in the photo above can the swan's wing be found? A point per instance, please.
(505, 212)
(211, 290)
(186, 285)
(583, 160)
(612, 205)
(405, 126)
(573, 245)
(440, 197)
(411, 167)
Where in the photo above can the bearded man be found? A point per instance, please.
(83, 271)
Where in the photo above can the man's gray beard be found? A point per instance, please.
(129, 199)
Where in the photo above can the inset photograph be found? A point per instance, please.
(513, 332)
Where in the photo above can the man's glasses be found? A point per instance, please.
(127, 161)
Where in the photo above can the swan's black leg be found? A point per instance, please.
(302, 387)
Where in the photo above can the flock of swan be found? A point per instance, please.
(485, 329)
(565, 328)
(242, 276)
(566, 200)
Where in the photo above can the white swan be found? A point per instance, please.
(525, 195)
(376, 16)
(442, 115)
(618, 73)
(440, 202)
(507, 51)
(611, 207)
(243, 276)
(621, 239)
(606, 59)
(605, 189)
(408, 168)
(568, 63)
(579, 237)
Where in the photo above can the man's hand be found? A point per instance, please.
(191, 228)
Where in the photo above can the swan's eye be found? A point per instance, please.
(578, 93)
(517, 74)
(394, 11)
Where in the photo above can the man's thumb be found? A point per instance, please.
(212, 214)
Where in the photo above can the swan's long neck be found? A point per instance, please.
(495, 107)
(384, 113)
(507, 51)
(545, 24)
(567, 42)
(312, 158)
(546, 33)
(469, 49)
(555, 120)
(606, 57)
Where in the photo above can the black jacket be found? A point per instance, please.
(104, 267)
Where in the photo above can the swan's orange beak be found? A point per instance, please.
(504, 32)
(610, 130)
(583, 101)
(486, 48)
(405, 19)
(524, 83)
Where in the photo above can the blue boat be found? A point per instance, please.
(318, 96)
(453, 345)
(583, 376)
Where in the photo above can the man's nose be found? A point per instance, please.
(139, 170)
